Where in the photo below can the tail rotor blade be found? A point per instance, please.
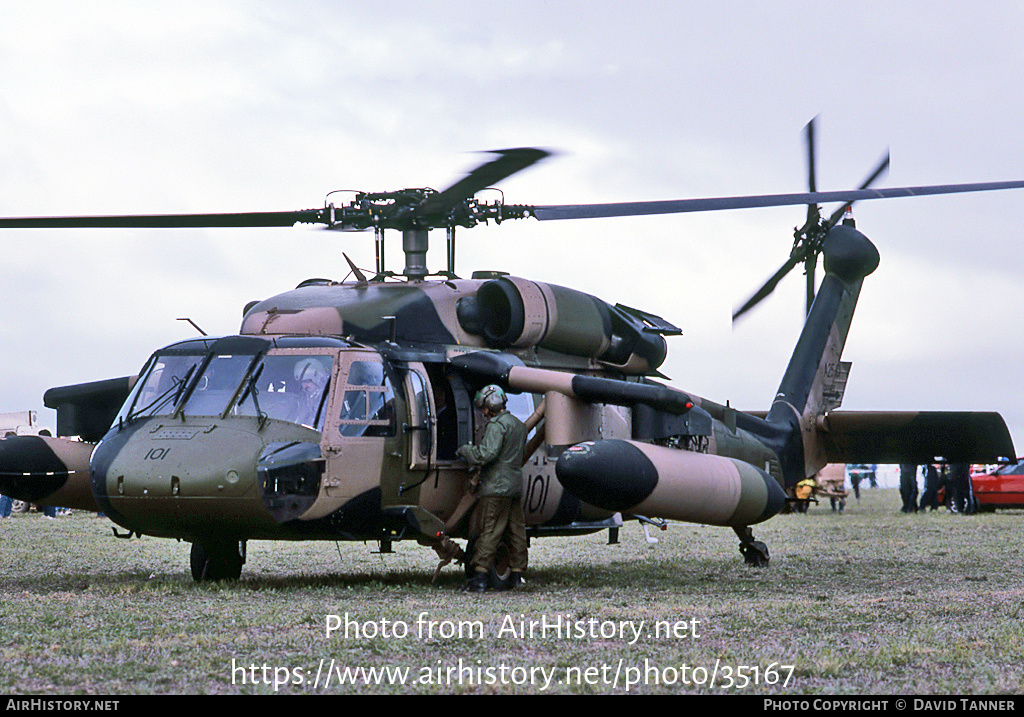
(811, 182)
(881, 169)
(810, 265)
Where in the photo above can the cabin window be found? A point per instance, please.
(419, 427)
(368, 404)
(520, 405)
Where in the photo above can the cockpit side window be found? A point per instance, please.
(368, 403)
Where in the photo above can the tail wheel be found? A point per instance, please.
(217, 560)
(755, 554)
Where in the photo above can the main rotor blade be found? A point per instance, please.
(680, 206)
(246, 219)
(486, 175)
(768, 287)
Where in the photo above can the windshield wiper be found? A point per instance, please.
(251, 388)
(174, 392)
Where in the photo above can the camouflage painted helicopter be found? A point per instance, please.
(336, 411)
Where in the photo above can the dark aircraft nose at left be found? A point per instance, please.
(48, 471)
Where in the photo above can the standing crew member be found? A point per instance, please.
(908, 487)
(963, 493)
(500, 514)
(930, 497)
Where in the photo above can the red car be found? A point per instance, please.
(1003, 488)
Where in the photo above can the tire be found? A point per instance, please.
(217, 560)
(500, 573)
(755, 554)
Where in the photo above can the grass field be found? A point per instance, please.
(866, 602)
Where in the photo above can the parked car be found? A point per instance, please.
(1002, 488)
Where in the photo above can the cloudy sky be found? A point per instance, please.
(128, 107)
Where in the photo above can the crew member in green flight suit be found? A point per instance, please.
(498, 510)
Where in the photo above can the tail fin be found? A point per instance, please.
(815, 377)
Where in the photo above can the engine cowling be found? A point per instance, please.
(511, 312)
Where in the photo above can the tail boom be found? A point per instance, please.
(807, 389)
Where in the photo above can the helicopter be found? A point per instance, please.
(336, 410)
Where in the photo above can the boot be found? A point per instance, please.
(477, 583)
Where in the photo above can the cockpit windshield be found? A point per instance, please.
(162, 386)
(218, 382)
(288, 387)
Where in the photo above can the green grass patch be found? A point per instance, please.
(871, 601)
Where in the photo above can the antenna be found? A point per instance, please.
(194, 325)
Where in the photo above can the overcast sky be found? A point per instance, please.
(128, 107)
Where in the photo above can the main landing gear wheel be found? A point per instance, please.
(755, 553)
(217, 560)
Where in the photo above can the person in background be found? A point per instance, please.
(908, 487)
(962, 498)
(930, 497)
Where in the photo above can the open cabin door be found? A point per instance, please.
(419, 423)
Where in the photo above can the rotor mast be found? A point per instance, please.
(414, 244)
(415, 212)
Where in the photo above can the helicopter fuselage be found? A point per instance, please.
(337, 410)
(222, 437)
(336, 414)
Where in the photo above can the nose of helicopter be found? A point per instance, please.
(177, 479)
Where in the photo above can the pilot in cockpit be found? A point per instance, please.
(312, 380)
